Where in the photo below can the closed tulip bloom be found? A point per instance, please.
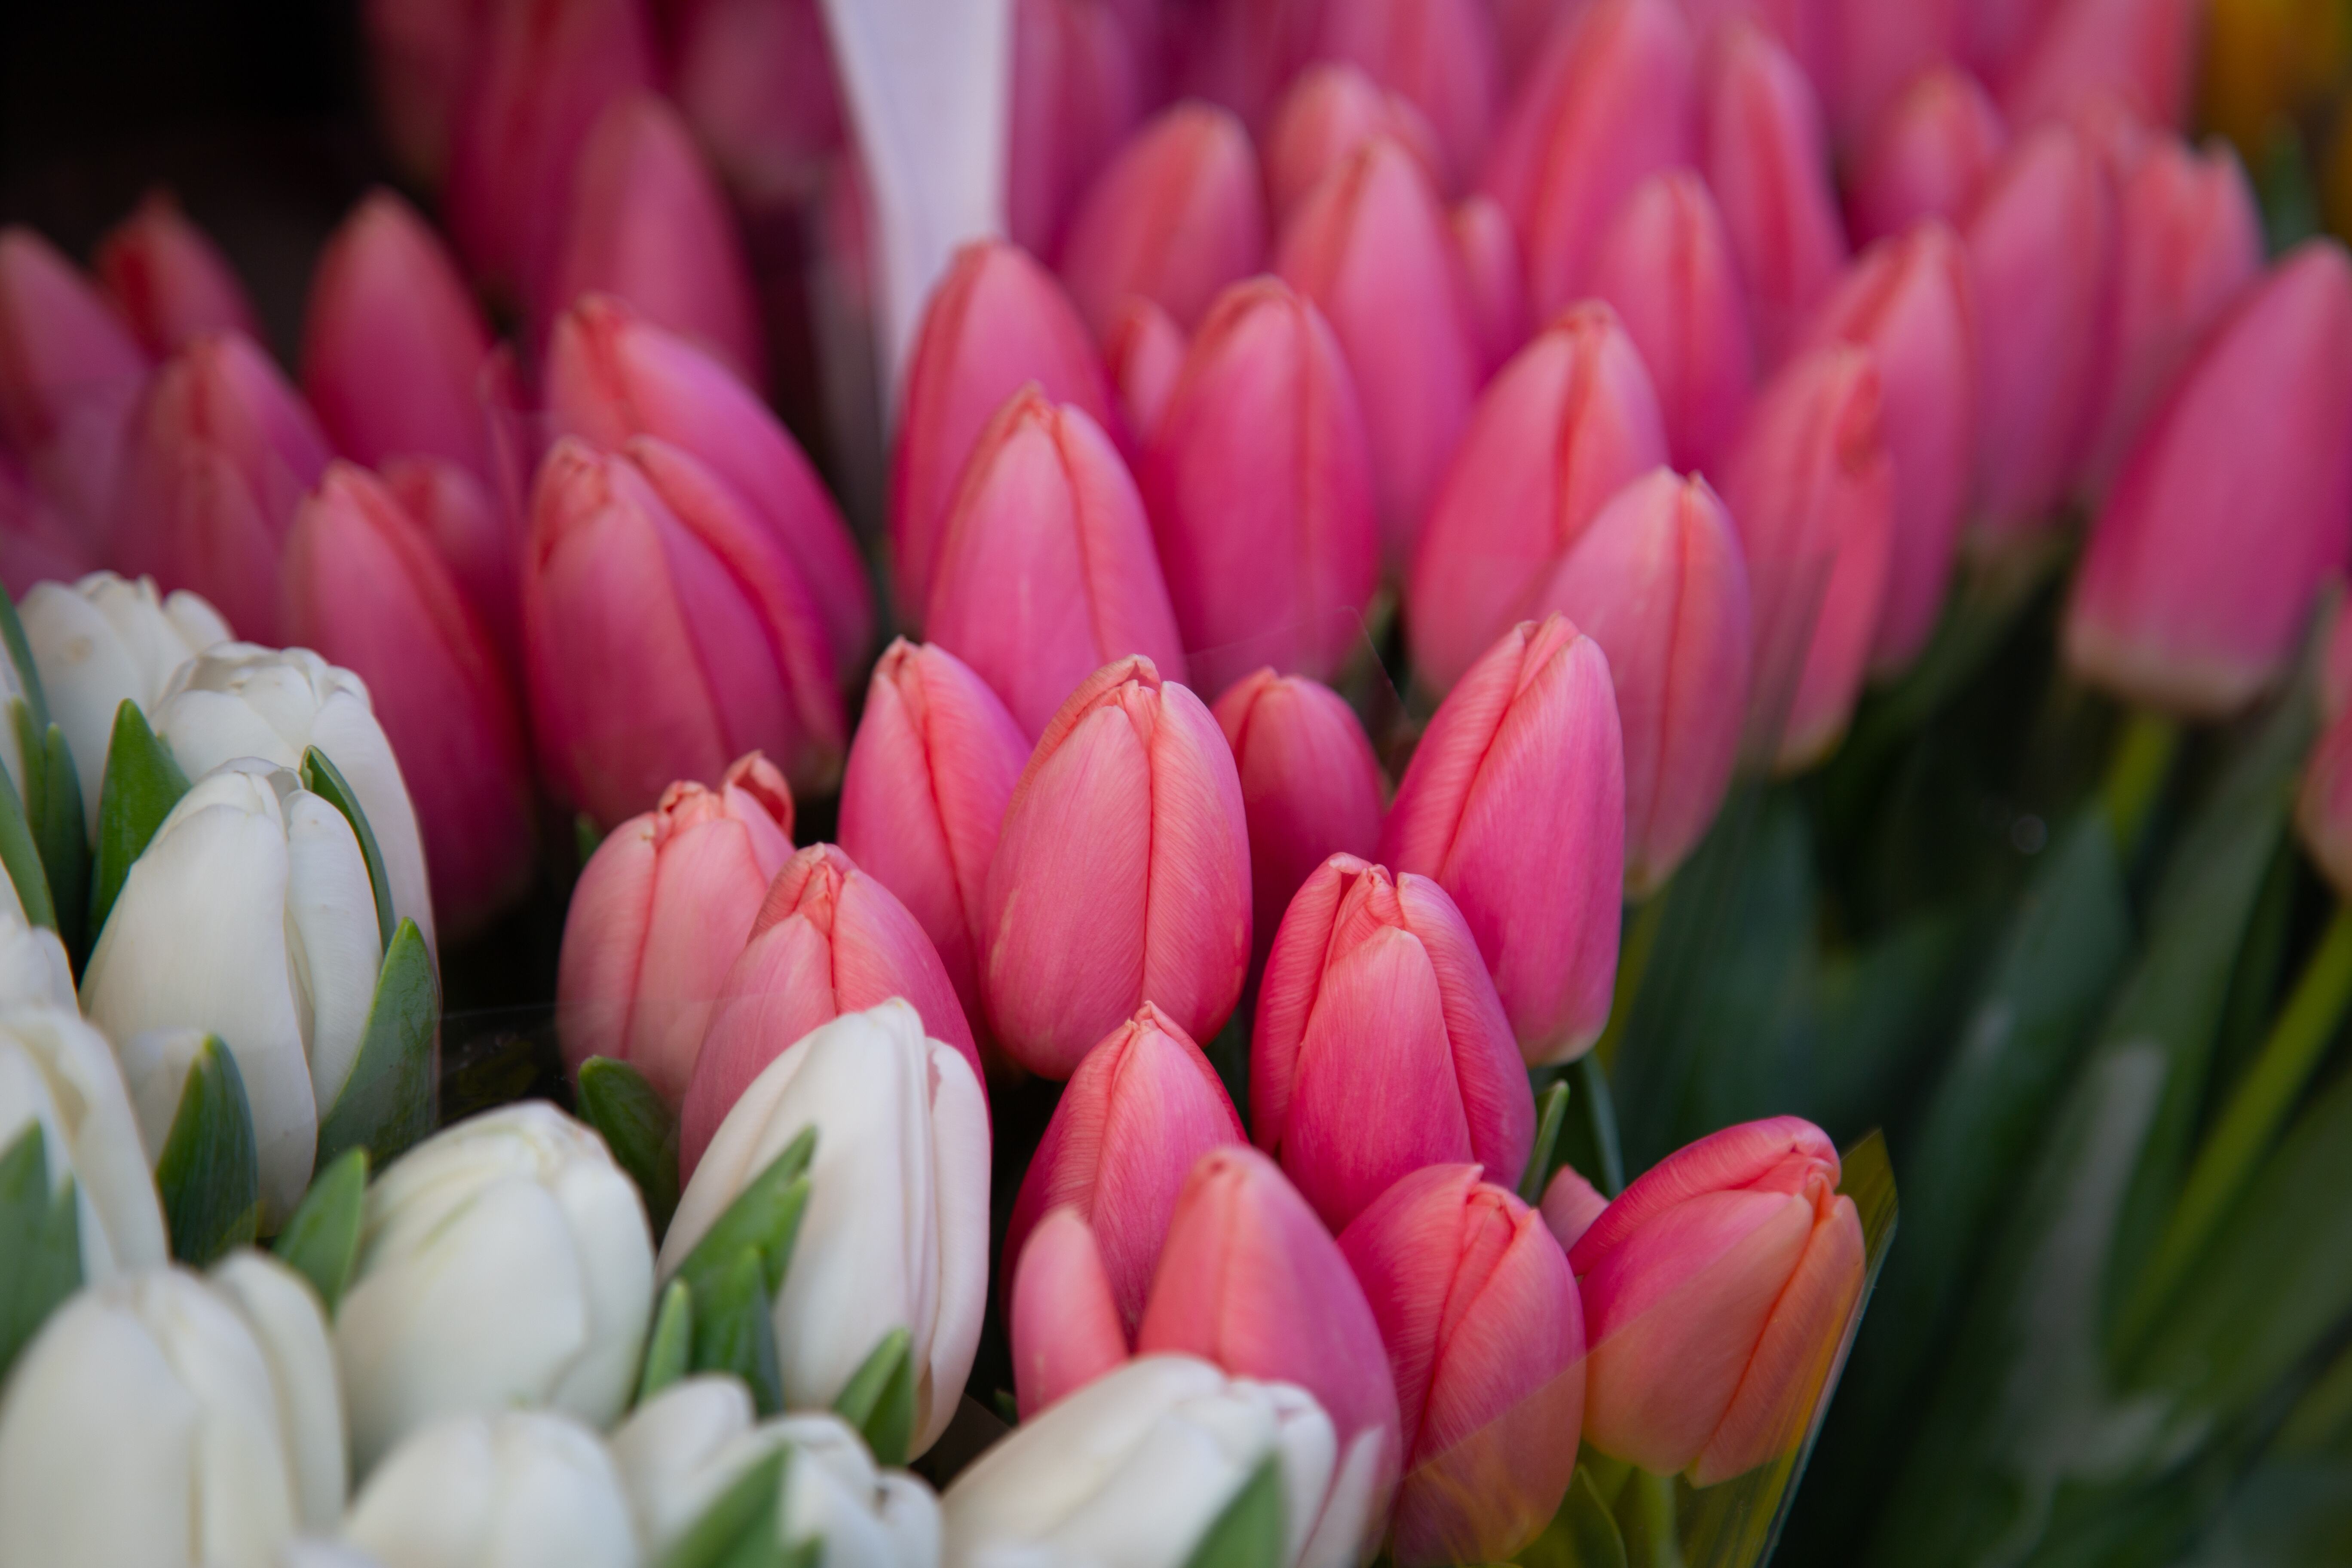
(1492, 283)
(2233, 509)
(1177, 217)
(995, 323)
(1873, 51)
(475, 536)
(1328, 113)
(70, 375)
(1440, 55)
(1259, 481)
(1062, 1322)
(58, 1074)
(169, 281)
(1122, 874)
(2143, 53)
(1569, 423)
(34, 971)
(1767, 159)
(495, 1489)
(1311, 787)
(1716, 1293)
(894, 1235)
(1076, 92)
(1515, 805)
(1660, 583)
(1571, 1206)
(1928, 156)
(1144, 352)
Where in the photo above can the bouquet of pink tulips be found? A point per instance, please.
(1420, 689)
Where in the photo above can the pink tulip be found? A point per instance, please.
(70, 375)
(2233, 509)
(1567, 423)
(1065, 1327)
(1929, 157)
(1522, 27)
(1485, 1338)
(754, 77)
(1244, 52)
(1144, 352)
(1909, 300)
(2143, 52)
(1046, 573)
(1332, 109)
(1874, 50)
(1667, 269)
(1259, 484)
(1439, 54)
(169, 281)
(1718, 1292)
(1380, 1046)
(995, 323)
(1077, 93)
(1177, 217)
(365, 588)
(1515, 805)
(612, 375)
(827, 940)
(1766, 160)
(1571, 1206)
(1994, 33)
(665, 631)
(475, 539)
(932, 765)
(420, 54)
(658, 916)
(38, 541)
(1122, 874)
(1493, 288)
(1659, 582)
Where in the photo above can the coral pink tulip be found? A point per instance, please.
(1485, 1338)
(1571, 1206)
(1177, 217)
(1873, 51)
(1329, 111)
(1078, 91)
(1929, 157)
(474, 537)
(754, 77)
(1570, 421)
(1065, 1327)
(1658, 581)
(1046, 573)
(1122, 874)
(1515, 805)
(169, 281)
(70, 375)
(2233, 509)
(1440, 55)
(1766, 160)
(1144, 352)
(1259, 484)
(658, 916)
(1380, 1046)
(1718, 1291)
(2141, 52)
(420, 54)
(1493, 287)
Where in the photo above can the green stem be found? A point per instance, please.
(2136, 775)
(1589, 1086)
(1632, 963)
(1550, 1107)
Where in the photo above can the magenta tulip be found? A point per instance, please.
(1332, 109)
(1065, 1327)
(2141, 53)
(70, 377)
(169, 281)
(1076, 92)
(1144, 352)
(1766, 160)
(1492, 283)
(1440, 55)
(754, 77)
(420, 55)
(475, 539)
(1929, 157)
(1871, 51)
(1176, 218)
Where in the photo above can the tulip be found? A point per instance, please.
(250, 916)
(34, 970)
(611, 376)
(1440, 55)
(1046, 571)
(2233, 509)
(218, 456)
(2040, 242)
(420, 54)
(1122, 874)
(1260, 488)
(1910, 302)
(169, 1418)
(1565, 425)
(1244, 52)
(1612, 100)
(57, 1073)
(1571, 1206)
(2141, 52)
(1331, 110)
(1659, 582)
(895, 1236)
(1873, 51)
(755, 80)
(1717, 1291)
(1496, 293)
(1485, 1336)
(38, 542)
(393, 344)
(1666, 267)
(169, 281)
(1929, 157)
(495, 1489)
(1139, 1467)
(474, 536)
(1076, 92)
(1062, 1321)
(933, 764)
(70, 375)
(658, 915)
(1177, 217)
(1372, 251)
(1144, 352)
(1767, 159)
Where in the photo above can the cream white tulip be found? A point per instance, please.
(523, 1489)
(896, 1232)
(1132, 1470)
(34, 970)
(680, 1450)
(240, 701)
(57, 1070)
(169, 1418)
(104, 641)
(503, 1262)
(250, 916)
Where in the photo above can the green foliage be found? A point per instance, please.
(209, 1172)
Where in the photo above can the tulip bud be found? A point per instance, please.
(1496, 292)
(1766, 160)
(57, 1073)
(1331, 110)
(173, 1420)
(1567, 423)
(495, 1489)
(1659, 582)
(1122, 874)
(1718, 1291)
(995, 323)
(2141, 52)
(1260, 488)
(1666, 267)
(1440, 55)
(169, 281)
(1485, 1336)
(34, 972)
(2232, 508)
(474, 535)
(71, 376)
(895, 1236)
(1061, 1320)
(1571, 1206)
(1144, 352)
(420, 55)
(1176, 218)
(1929, 157)
(1076, 92)
(1873, 51)
(393, 345)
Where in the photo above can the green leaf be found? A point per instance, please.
(58, 832)
(20, 654)
(669, 1348)
(1551, 1108)
(209, 1174)
(321, 1237)
(1591, 1528)
(20, 855)
(40, 1243)
(749, 1507)
(880, 1399)
(640, 1130)
(322, 778)
(142, 782)
(734, 1332)
(765, 1217)
(387, 1102)
(1249, 1533)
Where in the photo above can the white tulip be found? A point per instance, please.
(239, 700)
(166, 1418)
(250, 916)
(1132, 1470)
(102, 642)
(521, 1488)
(896, 1232)
(57, 1070)
(680, 1450)
(34, 970)
(505, 1261)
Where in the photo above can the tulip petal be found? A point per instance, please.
(1065, 1328)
